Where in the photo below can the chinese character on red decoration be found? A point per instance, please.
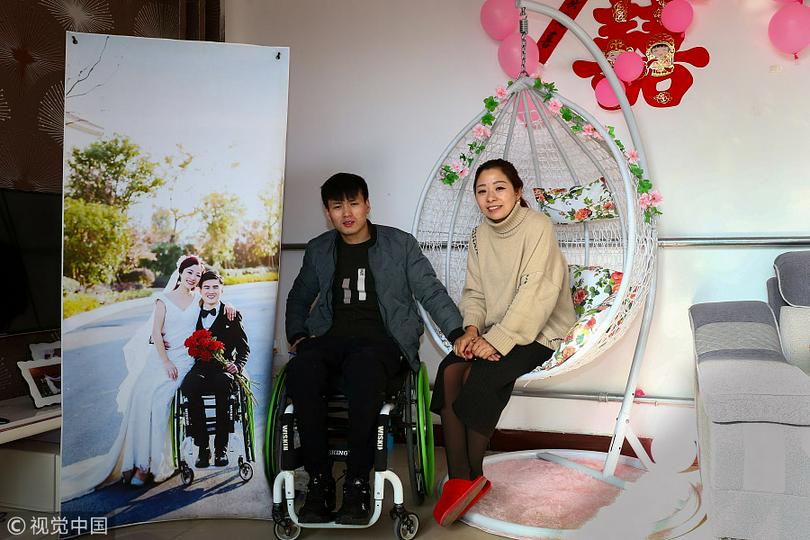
(666, 77)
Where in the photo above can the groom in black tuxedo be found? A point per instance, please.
(211, 377)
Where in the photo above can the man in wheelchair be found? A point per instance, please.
(210, 377)
(352, 314)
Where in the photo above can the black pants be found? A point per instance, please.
(488, 386)
(365, 367)
(208, 381)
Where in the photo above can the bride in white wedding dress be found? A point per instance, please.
(143, 444)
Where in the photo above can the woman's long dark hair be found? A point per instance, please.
(508, 170)
(191, 260)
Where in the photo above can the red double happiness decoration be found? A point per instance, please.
(666, 78)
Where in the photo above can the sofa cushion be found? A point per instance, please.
(742, 373)
(775, 299)
(792, 271)
(749, 390)
(794, 327)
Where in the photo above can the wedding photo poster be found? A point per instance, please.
(174, 156)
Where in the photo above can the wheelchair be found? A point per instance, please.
(240, 411)
(405, 412)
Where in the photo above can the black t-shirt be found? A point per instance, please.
(354, 294)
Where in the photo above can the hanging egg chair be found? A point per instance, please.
(589, 184)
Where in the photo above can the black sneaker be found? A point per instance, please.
(356, 507)
(203, 458)
(221, 458)
(320, 500)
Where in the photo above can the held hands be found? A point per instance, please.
(482, 349)
(461, 347)
(230, 312)
(470, 345)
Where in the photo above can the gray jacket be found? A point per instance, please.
(402, 275)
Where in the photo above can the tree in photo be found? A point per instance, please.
(220, 214)
(95, 242)
(112, 172)
(170, 219)
(272, 199)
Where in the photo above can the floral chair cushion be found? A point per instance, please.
(577, 204)
(591, 285)
(578, 335)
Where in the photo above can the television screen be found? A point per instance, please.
(31, 268)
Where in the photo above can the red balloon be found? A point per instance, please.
(499, 18)
(509, 55)
(605, 95)
(628, 66)
(789, 28)
(677, 15)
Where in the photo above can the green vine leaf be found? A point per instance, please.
(644, 186)
(490, 103)
(488, 119)
(567, 114)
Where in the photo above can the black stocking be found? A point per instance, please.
(477, 444)
(454, 431)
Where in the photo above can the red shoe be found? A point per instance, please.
(457, 496)
(477, 498)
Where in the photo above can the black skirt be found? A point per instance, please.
(489, 386)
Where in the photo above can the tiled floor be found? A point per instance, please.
(216, 529)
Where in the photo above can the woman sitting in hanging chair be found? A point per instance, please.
(517, 306)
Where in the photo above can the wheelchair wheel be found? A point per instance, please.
(248, 430)
(186, 474)
(424, 425)
(272, 435)
(415, 470)
(287, 530)
(406, 527)
(419, 434)
(245, 472)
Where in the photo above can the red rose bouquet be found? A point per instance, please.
(204, 346)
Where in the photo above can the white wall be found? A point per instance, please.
(379, 87)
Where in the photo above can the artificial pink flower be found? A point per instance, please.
(554, 106)
(456, 166)
(645, 200)
(463, 172)
(500, 92)
(655, 198)
(632, 156)
(480, 131)
(589, 130)
(536, 73)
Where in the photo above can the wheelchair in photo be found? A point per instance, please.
(405, 412)
(240, 411)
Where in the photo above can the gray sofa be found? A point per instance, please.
(753, 408)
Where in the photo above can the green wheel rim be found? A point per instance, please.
(425, 429)
(269, 449)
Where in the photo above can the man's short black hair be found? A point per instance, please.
(210, 274)
(342, 186)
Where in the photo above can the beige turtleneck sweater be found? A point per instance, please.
(517, 289)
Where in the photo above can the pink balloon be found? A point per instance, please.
(605, 95)
(677, 15)
(509, 55)
(628, 66)
(499, 18)
(789, 28)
